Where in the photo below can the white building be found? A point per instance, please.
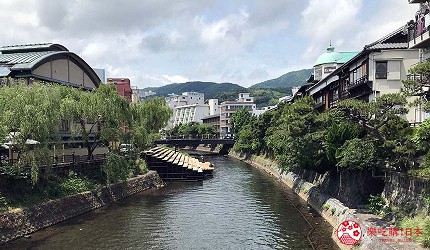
(230, 107)
(190, 113)
(186, 99)
(135, 97)
(145, 94)
(195, 112)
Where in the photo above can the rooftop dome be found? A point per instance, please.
(332, 56)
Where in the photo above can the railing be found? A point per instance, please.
(358, 82)
(416, 77)
(62, 160)
(416, 29)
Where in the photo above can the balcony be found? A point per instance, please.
(418, 34)
(359, 82)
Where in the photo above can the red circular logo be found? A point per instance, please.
(349, 232)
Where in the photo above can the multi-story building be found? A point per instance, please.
(228, 108)
(213, 120)
(419, 38)
(180, 103)
(195, 112)
(145, 94)
(123, 87)
(378, 69)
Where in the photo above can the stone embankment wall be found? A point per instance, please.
(406, 192)
(215, 149)
(20, 222)
(332, 210)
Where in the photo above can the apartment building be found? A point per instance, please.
(228, 108)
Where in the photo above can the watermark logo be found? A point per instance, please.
(349, 232)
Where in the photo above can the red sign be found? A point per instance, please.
(349, 232)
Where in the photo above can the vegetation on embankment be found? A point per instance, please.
(353, 139)
(190, 130)
(100, 118)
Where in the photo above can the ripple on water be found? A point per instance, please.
(240, 208)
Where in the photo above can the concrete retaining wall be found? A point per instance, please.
(330, 209)
(20, 222)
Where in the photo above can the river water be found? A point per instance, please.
(240, 208)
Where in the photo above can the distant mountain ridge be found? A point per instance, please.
(288, 80)
(210, 89)
(265, 93)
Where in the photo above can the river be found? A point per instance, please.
(239, 208)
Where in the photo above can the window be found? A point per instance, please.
(381, 70)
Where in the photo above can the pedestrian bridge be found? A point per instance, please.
(194, 142)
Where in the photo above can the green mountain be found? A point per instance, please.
(210, 89)
(266, 93)
(286, 81)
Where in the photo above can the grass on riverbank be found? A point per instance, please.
(420, 221)
(20, 192)
(25, 194)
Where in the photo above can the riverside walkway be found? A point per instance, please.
(174, 165)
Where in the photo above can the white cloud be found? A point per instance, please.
(227, 28)
(324, 20)
(176, 79)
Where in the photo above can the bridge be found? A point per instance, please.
(194, 142)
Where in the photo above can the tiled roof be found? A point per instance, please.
(26, 60)
(32, 48)
(388, 46)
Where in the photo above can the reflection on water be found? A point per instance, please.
(240, 208)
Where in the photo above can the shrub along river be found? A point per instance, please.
(240, 208)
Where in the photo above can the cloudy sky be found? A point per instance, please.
(156, 42)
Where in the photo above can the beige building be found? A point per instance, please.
(378, 69)
(51, 63)
(228, 108)
(47, 62)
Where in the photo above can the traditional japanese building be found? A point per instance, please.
(376, 70)
(47, 62)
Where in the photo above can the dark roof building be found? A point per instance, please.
(47, 62)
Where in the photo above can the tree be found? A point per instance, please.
(418, 85)
(391, 133)
(101, 115)
(148, 118)
(205, 129)
(30, 113)
(294, 137)
(239, 119)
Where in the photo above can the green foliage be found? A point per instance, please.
(141, 165)
(241, 118)
(333, 210)
(376, 204)
(421, 221)
(117, 168)
(192, 129)
(75, 184)
(418, 87)
(147, 119)
(326, 206)
(357, 154)
(294, 137)
(101, 114)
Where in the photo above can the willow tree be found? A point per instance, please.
(147, 119)
(30, 115)
(100, 116)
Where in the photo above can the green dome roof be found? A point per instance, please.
(332, 56)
